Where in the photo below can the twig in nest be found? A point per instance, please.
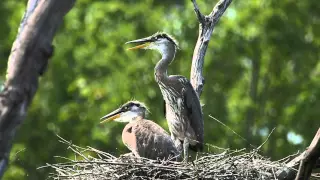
(231, 164)
(231, 130)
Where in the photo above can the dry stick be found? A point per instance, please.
(266, 139)
(231, 130)
(72, 163)
(286, 159)
(308, 159)
(206, 26)
(28, 60)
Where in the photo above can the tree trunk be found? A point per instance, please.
(28, 60)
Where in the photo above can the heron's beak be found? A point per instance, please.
(146, 42)
(111, 116)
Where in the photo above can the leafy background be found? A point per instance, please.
(262, 71)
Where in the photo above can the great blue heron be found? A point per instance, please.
(183, 109)
(143, 137)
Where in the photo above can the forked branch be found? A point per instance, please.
(206, 26)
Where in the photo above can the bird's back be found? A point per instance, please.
(190, 112)
(147, 139)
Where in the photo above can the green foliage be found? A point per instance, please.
(261, 69)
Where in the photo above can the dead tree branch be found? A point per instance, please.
(206, 26)
(306, 161)
(310, 157)
(28, 60)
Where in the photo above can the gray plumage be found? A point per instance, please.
(183, 109)
(147, 139)
(144, 138)
(183, 112)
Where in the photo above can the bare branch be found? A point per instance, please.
(28, 60)
(201, 17)
(306, 161)
(219, 9)
(310, 158)
(206, 26)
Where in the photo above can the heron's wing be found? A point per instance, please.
(153, 141)
(192, 102)
(164, 108)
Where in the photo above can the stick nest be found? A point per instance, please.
(93, 164)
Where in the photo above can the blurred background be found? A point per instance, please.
(261, 70)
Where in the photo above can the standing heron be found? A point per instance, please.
(183, 109)
(143, 137)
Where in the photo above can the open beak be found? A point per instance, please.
(111, 116)
(145, 43)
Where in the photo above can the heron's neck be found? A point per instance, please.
(168, 54)
(137, 118)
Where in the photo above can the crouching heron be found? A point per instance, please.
(143, 137)
(183, 109)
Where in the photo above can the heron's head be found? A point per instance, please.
(130, 111)
(161, 42)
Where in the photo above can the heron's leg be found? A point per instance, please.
(178, 144)
(185, 149)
